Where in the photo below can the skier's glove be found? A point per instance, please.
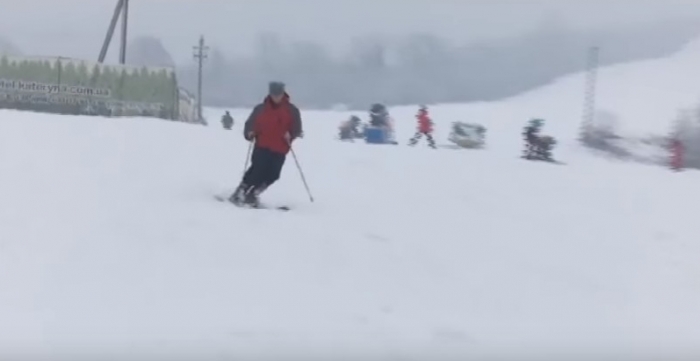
(250, 136)
(288, 137)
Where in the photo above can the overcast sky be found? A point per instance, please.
(77, 27)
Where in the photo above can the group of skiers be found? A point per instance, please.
(274, 124)
(379, 118)
(537, 146)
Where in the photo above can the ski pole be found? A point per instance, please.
(301, 172)
(247, 158)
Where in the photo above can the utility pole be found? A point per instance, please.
(590, 90)
(59, 67)
(125, 22)
(200, 54)
(122, 9)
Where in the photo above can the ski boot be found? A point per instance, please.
(252, 197)
(239, 196)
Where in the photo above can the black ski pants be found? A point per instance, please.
(418, 135)
(265, 168)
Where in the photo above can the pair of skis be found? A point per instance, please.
(553, 161)
(259, 206)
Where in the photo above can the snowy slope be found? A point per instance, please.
(646, 96)
(110, 242)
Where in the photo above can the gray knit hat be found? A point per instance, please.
(276, 88)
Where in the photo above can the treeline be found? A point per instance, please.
(8, 48)
(422, 68)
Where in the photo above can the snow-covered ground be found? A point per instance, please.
(111, 242)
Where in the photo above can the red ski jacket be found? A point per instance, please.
(269, 123)
(425, 124)
(677, 154)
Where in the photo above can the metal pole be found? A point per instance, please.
(110, 31)
(199, 78)
(59, 68)
(125, 23)
(200, 54)
(590, 92)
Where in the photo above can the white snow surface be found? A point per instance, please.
(111, 242)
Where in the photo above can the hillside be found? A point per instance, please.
(111, 243)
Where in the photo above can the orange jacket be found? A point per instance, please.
(425, 124)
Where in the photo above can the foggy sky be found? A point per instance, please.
(76, 27)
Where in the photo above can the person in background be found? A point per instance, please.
(227, 120)
(425, 127)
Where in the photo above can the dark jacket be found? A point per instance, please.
(531, 134)
(270, 122)
(227, 120)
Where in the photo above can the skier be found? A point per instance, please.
(379, 119)
(677, 154)
(227, 120)
(378, 116)
(273, 126)
(348, 129)
(425, 127)
(468, 135)
(537, 147)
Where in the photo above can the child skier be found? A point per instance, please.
(425, 127)
(349, 129)
(537, 147)
(378, 116)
